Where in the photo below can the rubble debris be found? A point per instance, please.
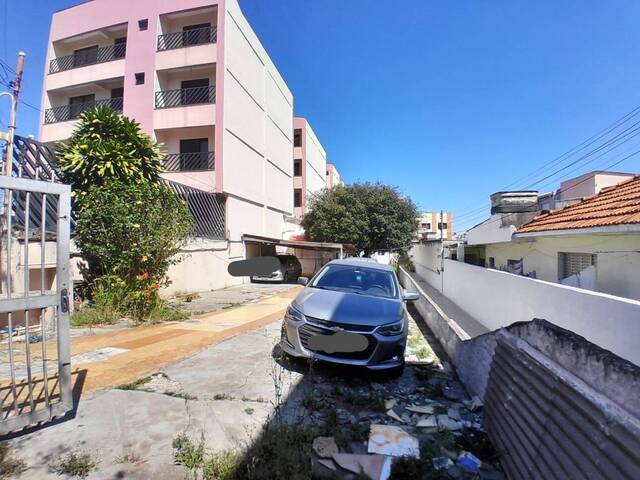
(390, 403)
(392, 440)
(421, 408)
(376, 467)
(473, 404)
(469, 462)
(428, 422)
(325, 447)
(442, 463)
(447, 423)
(391, 412)
(454, 413)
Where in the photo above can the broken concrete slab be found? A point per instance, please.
(454, 413)
(392, 440)
(442, 463)
(376, 467)
(428, 422)
(447, 423)
(391, 412)
(421, 408)
(325, 447)
(390, 403)
(473, 404)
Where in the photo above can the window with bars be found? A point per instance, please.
(297, 138)
(297, 197)
(297, 168)
(572, 263)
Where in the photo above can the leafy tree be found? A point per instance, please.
(371, 216)
(107, 146)
(130, 234)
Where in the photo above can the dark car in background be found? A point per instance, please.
(351, 312)
(289, 271)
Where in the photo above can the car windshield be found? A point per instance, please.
(356, 279)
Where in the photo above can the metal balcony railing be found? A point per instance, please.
(176, 162)
(185, 96)
(88, 57)
(71, 112)
(187, 38)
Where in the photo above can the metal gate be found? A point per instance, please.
(35, 371)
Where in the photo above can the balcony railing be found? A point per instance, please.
(176, 162)
(88, 57)
(187, 38)
(71, 112)
(185, 96)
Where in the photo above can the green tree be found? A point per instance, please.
(371, 216)
(130, 234)
(106, 146)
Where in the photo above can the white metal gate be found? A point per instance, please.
(35, 371)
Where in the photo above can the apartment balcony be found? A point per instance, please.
(65, 113)
(185, 107)
(189, 162)
(187, 38)
(87, 65)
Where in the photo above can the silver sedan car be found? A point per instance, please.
(351, 312)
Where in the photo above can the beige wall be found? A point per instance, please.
(316, 163)
(618, 259)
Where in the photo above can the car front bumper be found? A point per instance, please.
(383, 352)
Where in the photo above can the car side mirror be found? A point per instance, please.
(303, 281)
(410, 296)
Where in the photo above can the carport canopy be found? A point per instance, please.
(318, 246)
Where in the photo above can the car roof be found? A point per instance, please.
(362, 262)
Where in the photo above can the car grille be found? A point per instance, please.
(347, 326)
(308, 330)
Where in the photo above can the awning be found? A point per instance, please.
(339, 247)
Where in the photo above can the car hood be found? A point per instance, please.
(348, 307)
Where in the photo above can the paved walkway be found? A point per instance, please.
(111, 358)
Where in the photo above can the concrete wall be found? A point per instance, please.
(590, 184)
(617, 264)
(497, 299)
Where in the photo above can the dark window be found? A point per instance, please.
(196, 34)
(297, 138)
(297, 197)
(492, 262)
(193, 91)
(574, 263)
(515, 266)
(80, 103)
(194, 154)
(119, 47)
(442, 226)
(297, 168)
(143, 24)
(85, 56)
(117, 92)
(140, 78)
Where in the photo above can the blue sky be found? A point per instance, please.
(449, 101)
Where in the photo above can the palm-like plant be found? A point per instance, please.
(107, 146)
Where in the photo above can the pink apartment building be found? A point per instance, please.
(196, 77)
(309, 165)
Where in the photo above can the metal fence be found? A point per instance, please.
(185, 96)
(187, 38)
(207, 210)
(71, 112)
(175, 162)
(35, 371)
(88, 57)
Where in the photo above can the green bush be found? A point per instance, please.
(130, 234)
(104, 147)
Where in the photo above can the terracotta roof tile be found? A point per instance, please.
(617, 205)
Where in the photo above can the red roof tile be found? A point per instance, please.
(617, 205)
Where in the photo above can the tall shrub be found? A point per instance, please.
(106, 146)
(130, 234)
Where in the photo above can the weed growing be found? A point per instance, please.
(135, 385)
(74, 464)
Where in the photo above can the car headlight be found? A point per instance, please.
(391, 329)
(293, 315)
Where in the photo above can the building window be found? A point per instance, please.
(297, 197)
(297, 138)
(143, 24)
(140, 78)
(297, 167)
(426, 226)
(574, 263)
(117, 92)
(515, 266)
(442, 225)
(194, 154)
(79, 104)
(492, 262)
(119, 47)
(85, 56)
(196, 34)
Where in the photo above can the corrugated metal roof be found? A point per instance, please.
(616, 205)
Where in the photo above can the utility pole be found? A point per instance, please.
(15, 86)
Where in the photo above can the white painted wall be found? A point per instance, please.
(617, 264)
(316, 165)
(497, 299)
(490, 231)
